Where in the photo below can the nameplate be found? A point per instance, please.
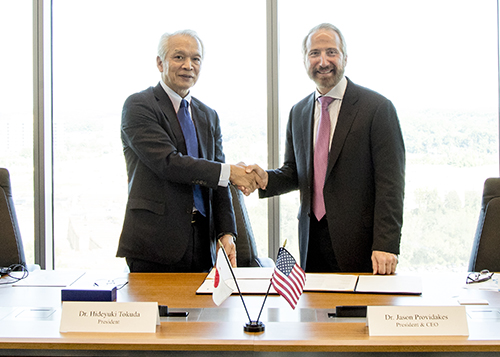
(417, 321)
(139, 317)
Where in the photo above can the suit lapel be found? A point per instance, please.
(167, 108)
(201, 124)
(307, 131)
(346, 117)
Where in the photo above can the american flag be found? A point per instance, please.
(288, 278)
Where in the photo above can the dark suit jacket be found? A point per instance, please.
(364, 186)
(157, 223)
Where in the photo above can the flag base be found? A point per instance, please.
(254, 326)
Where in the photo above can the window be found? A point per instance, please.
(100, 58)
(435, 59)
(16, 112)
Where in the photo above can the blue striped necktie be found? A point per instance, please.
(189, 132)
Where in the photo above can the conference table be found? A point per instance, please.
(30, 317)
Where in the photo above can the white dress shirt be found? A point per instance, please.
(337, 92)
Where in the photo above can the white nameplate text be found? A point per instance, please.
(417, 321)
(96, 316)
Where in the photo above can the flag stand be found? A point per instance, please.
(254, 326)
(257, 326)
(234, 278)
(251, 326)
(287, 274)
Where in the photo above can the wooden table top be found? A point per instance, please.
(285, 329)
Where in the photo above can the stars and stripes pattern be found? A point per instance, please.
(288, 278)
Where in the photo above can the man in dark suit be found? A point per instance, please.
(352, 221)
(179, 203)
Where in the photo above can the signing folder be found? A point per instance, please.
(257, 280)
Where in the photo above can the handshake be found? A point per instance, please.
(247, 178)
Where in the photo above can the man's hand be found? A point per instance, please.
(247, 182)
(263, 175)
(383, 262)
(230, 248)
(261, 178)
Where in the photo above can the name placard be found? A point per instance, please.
(136, 317)
(417, 321)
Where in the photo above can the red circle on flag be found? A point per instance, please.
(217, 278)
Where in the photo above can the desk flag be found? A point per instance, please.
(222, 275)
(288, 278)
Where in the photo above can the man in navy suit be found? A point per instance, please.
(359, 228)
(163, 229)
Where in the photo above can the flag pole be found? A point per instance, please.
(234, 278)
(268, 289)
(265, 298)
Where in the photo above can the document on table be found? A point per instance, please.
(330, 282)
(257, 280)
(57, 278)
(250, 281)
(248, 273)
(247, 286)
(389, 284)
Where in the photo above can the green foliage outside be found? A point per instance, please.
(439, 224)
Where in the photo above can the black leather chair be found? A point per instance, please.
(246, 248)
(11, 245)
(486, 247)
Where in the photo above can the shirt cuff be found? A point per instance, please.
(225, 172)
(227, 233)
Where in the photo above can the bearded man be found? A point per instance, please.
(344, 151)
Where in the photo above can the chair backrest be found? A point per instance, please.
(486, 247)
(246, 249)
(11, 245)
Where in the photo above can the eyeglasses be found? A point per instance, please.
(484, 275)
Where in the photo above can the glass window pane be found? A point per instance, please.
(106, 50)
(437, 61)
(16, 112)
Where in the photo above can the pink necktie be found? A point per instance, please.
(321, 157)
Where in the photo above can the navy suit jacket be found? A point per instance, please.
(364, 186)
(157, 224)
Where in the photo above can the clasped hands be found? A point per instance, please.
(248, 178)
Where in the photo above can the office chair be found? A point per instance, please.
(486, 247)
(246, 248)
(11, 245)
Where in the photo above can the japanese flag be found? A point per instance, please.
(222, 276)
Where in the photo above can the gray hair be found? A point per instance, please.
(325, 26)
(163, 45)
